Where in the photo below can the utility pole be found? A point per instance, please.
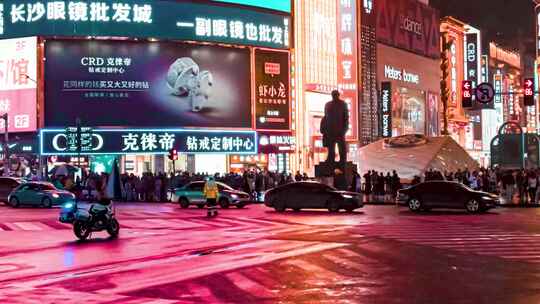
(79, 143)
(6, 144)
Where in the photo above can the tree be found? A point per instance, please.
(445, 92)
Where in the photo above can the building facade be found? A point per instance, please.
(210, 79)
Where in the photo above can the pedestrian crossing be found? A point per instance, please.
(471, 239)
(295, 279)
(229, 224)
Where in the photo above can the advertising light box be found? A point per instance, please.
(147, 84)
(145, 19)
(278, 5)
(152, 141)
(18, 97)
(272, 104)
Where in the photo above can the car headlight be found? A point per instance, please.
(234, 196)
(68, 206)
(55, 195)
(487, 198)
(347, 196)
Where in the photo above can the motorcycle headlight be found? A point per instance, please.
(68, 205)
(55, 195)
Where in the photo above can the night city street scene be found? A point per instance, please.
(269, 151)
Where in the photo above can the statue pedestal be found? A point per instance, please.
(325, 172)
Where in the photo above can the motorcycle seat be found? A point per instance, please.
(98, 209)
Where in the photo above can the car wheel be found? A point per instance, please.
(333, 206)
(415, 205)
(279, 206)
(240, 206)
(46, 203)
(200, 206)
(184, 203)
(14, 202)
(224, 203)
(473, 206)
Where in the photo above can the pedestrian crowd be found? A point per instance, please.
(156, 187)
(514, 186)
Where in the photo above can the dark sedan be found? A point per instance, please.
(443, 194)
(311, 195)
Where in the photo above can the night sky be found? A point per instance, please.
(507, 22)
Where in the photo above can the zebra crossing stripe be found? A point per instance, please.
(248, 285)
(315, 269)
(201, 291)
(231, 221)
(214, 222)
(26, 226)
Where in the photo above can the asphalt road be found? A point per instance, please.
(380, 254)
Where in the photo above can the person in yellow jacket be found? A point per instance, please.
(211, 193)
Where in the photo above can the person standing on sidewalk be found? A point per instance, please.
(211, 193)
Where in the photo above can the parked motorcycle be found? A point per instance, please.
(97, 218)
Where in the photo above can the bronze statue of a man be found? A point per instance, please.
(334, 126)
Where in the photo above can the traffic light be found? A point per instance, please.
(173, 154)
(528, 92)
(466, 94)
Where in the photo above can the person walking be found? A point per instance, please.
(211, 193)
(532, 185)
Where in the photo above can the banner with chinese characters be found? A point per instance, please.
(272, 103)
(147, 84)
(276, 142)
(145, 19)
(152, 141)
(347, 65)
(18, 70)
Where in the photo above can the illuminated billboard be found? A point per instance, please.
(144, 19)
(151, 141)
(272, 102)
(278, 5)
(409, 25)
(147, 84)
(347, 62)
(18, 70)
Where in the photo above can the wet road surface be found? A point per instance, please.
(380, 254)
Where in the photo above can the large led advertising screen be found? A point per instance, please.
(410, 25)
(278, 5)
(150, 84)
(176, 20)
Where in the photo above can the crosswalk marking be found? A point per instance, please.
(248, 285)
(26, 226)
(315, 269)
(201, 291)
(464, 238)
